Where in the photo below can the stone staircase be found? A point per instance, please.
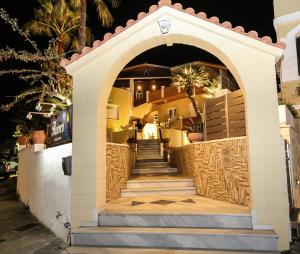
(153, 171)
(202, 233)
(158, 231)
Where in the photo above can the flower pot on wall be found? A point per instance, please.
(22, 140)
(38, 137)
(195, 137)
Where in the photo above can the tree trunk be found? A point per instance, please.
(190, 93)
(82, 29)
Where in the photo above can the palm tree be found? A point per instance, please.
(59, 19)
(189, 77)
(104, 16)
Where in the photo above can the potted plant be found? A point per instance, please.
(22, 134)
(195, 131)
(165, 142)
(189, 77)
(132, 143)
(38, 134)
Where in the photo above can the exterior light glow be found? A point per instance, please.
(153, 87)
(38, 107)
(139, 88)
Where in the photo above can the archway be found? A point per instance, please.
(95, 73)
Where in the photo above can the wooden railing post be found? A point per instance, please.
(226, 116)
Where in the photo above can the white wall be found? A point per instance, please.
(289, 64)
(43, 186)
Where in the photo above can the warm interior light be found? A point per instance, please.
(139, 88)
(153, 87)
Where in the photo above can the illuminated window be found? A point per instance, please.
(172, 114)
(139, 95)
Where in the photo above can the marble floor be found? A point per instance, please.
(189, 204)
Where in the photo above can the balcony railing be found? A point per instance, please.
(169, 93)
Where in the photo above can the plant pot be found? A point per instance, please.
(22, 140)
(132, 146)
(166, 145)
(195, 137)
(38, 137)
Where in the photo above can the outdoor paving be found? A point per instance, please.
(20, 232)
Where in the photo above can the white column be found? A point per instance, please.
(162, 91)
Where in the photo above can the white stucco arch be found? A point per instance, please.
(251, 62)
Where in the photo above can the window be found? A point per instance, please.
(298, 53)
(172, 114)
(139, 95)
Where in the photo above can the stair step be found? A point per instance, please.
(151, 164)
(230, 221)
(164, 183)
(143, 192)
(149, 160)
(188, 238)
(154, 157)
(164, 170)
(103, 250)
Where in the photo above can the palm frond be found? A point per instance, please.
(103, 13)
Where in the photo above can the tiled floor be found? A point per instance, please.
(191, 204)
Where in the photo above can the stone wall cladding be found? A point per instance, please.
(220, 168)
(119, 162)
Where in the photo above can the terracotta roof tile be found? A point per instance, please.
(176, 6)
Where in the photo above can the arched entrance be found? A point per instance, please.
(251, 62)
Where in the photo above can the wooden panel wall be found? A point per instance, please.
(236, 114)
(220, 168)
(119, 162)
(225, 116)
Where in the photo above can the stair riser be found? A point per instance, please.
(178, 240)
(151, 164)
(160, 184)
(149, 161)
(155, 171)
(178, 221)
(148, 157)
(145, 193)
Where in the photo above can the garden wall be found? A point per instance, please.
(43, 187)
(119, 162)
(219, 168)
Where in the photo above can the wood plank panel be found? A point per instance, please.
(237, 124)
(213, 102)
(236, 109)
(215, 108)
(237, 132)
(235, 94)
(218, 135)
(218, 128)
(236, 117)
(235, 101)
(215, 122)
(215, 115)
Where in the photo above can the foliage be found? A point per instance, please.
(103, 12)
(59, 19)
(47, 80)
(165, 140)
(195, 126)
(189, 77)
(104, 16)
(214, 85)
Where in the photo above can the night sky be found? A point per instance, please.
(253, 15)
